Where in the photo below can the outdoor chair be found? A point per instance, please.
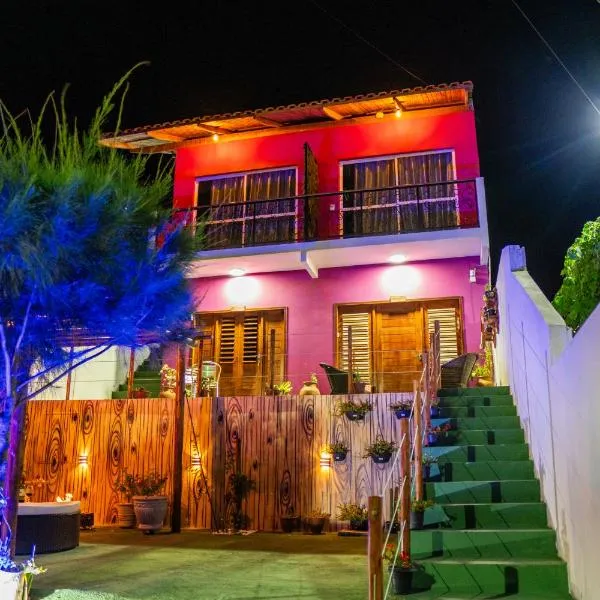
(456, 372)
(338, 379)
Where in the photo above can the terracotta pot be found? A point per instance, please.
(125, 515)
(309, 388)
(150, 512)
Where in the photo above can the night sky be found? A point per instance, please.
(539, 139)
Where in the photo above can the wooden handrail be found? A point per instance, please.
(418, 440)
(405, 486)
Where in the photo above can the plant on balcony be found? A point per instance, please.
(354, 411)
(283, 388)
(338, 450)
(358, 384)
(402, 408)
(380, 451)
(357, 514)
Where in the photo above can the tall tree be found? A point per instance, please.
(78, 264)
(579, 293)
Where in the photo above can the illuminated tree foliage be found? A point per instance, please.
(579, 293)
(77, 262)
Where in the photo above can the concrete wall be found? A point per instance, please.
(310, 302)
(555, 381)
(98, 378)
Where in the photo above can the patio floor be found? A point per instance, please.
(113, 564)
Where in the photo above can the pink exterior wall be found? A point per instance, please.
(310, 301)
(330, 145)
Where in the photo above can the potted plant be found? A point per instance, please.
(354, 411)
(309, 388)
(434, 408)
(240, 486)
(436, 434)
(283, 388)
(428, 460)
(291, 521)
(417, 512)
(380, 450)
(339, 450)
(125, 484)
(316, 521)
(358, 385)
(140, 392)
(150, 508)
(401, 568)
(482, 371)
(168, 381)
(402, 409)
(357, 515)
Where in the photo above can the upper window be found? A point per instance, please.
(406, 192)
(249, 208)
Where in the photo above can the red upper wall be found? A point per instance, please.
(330, 145)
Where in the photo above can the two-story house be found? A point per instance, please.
(365, 211)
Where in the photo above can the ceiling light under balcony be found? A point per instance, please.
(237, 272)
(397, 258)
(398, 113)
(215, 137)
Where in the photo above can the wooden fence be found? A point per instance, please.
(281, 441)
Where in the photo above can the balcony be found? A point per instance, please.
(330, 221)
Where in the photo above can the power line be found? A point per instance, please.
(366, 41)
(560, 62)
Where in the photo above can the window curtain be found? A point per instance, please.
(227, 212)
(268, 218)
(375, 212)
(430, 206)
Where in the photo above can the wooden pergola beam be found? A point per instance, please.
(266, 121)
(397, 103)
(211, 129)
(332, 114)
(165, 137)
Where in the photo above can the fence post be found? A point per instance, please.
(131, 373)
(350, 365)
(375, 548)
(178, 450)
(418, 441)
(199, 367)
(405, 487)
(272, 361)
(426, 393)
(436, 356)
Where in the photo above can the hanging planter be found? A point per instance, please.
(402, 410)
(338, 450)
(354, 411)
(380, 451)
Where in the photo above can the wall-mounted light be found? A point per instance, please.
(215, 137)
(325, 460)
(83, 460)
(398, 113)
(473, 275)
(196, 461)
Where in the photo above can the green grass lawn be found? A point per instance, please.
(124, 565)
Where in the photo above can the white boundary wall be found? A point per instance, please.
(555, 380)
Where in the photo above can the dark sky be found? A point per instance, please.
(539, 139)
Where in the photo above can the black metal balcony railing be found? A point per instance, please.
(332, 215)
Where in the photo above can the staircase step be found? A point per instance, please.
(480, 543)
(490, 400)
(452, 579)
(481, 471)
(478, 411)
(501, 422)
(147, 374)
(476, 453)
(501, 390)
(476, 437)
(504, 515)
(465, 492)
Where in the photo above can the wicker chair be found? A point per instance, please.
(456, 372)
(338, 379)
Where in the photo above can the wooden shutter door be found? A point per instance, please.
(361, 343)
(273, 358)
(449, 340)
(400, 343)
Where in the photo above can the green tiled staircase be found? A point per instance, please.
(143, 377)
(487, 535)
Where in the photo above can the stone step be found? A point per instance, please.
(500, 422)
(477, 453)
(476, 437)
(481, 471)
(454, 579)
(490, 400)
(481, 543)
(504, 515)
(502, 390)
(478, 411)
(466, 492)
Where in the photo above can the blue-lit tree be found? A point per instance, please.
(78, 266)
